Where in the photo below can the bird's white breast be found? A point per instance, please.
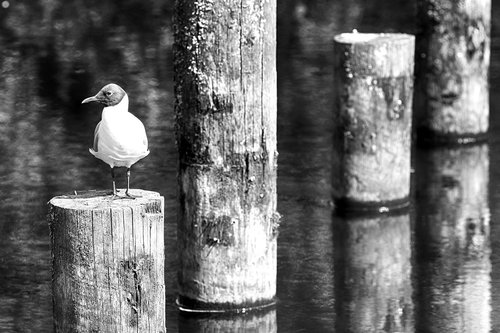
(121, 137)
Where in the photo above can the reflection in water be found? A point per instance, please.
(263, 321)
(452, 240)
(372, 272)
(24, 251)
(305, 271)
(53, 53)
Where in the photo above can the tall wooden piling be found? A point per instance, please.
(372, 120)
(108, 263)
(452, 239)
(225, 84)
(451, 77)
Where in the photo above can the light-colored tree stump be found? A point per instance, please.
(373, 274)
(452, 239)
(372, 120)
(451, 70)
(108, 263)
(225, 76)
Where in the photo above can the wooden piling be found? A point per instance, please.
(451, 70)
(373, 285)
(225, 84)
(452, 239)
(108, 263)
(372, 120)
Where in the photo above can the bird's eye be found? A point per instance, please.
(109, 93)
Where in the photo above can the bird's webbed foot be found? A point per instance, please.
(115, 196)
(130, 196)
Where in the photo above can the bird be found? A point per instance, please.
(120, 137)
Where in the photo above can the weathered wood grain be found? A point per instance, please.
(451, 70)
(225, 78)
(372, 119)
(108, 263)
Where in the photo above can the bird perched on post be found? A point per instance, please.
(119, 138)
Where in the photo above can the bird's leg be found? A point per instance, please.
(128, 185)
(115, 195)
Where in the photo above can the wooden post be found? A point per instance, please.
(372, 126)
(254, 321)
(452, 243)
(373, 284)
(451, 77)
(225, 83)
(108, 263)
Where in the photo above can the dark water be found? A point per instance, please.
(435, 269)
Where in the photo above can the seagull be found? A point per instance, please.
(119, 138)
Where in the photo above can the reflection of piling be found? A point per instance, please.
(108, 263)
(255, 321)
(225, 73)
(374, 87)
(373, 274)
(453, 55)
(452, 239)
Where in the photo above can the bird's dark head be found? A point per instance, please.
(110, 95)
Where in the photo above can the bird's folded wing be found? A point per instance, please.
(96, 136)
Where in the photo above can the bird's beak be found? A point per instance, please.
(90, 99)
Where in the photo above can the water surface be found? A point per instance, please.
(434, 269)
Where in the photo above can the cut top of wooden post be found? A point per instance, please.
(382, 55)
(89, 200)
